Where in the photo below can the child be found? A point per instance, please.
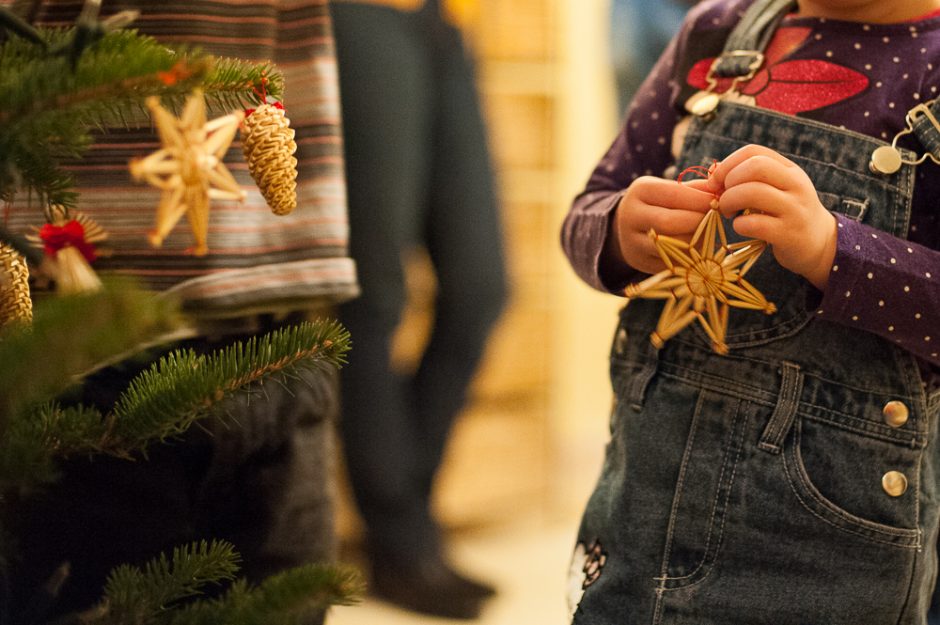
(791, 481)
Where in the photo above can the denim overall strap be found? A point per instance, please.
(743, 52)
(925, 123)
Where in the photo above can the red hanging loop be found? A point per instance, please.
(263, 95)
(701, 170)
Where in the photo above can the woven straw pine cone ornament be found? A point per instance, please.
(268, 145)
(16, 306)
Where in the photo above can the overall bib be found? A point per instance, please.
(790, 482)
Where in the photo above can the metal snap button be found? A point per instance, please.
(894, 483)
(703, 104)
(895, 413)
(885, 160)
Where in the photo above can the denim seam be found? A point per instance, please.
(735, 388)
(677, 495)
(811, 411)
(868, 139)
(861, 205)
(912, 373)
(781, 330)
(906, 363)
(738, 445)
(742, 390)
(856, 525)
(915, 441)
(849, 386)
(904, 199)
(694, 374)
(886, 184)
(711, 520)
(933, 401)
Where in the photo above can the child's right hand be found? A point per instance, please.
(666, 206)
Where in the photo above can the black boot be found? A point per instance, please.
(428, 586)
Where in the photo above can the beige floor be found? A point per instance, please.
(526, 558)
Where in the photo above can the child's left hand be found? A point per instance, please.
(786, 213)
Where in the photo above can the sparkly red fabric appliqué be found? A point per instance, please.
(789, 86)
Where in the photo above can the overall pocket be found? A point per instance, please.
(855, 483)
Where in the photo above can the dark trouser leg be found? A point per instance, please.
(384, 81)
(464, 239)
(395, 430)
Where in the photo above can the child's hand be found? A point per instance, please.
(787, 211)
(668, 207)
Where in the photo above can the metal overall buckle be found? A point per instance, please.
(705, 103)
(888, 159)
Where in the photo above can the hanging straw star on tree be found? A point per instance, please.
(702, 280)
(189, 168)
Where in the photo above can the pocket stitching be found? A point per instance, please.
(710, 559)
(857, 525)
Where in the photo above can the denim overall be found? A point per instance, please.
(767, 486)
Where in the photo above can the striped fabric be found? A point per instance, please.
(257, 261)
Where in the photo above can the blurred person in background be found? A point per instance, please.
(418, 175)
(639, 32)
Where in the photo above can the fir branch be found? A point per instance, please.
(282, 599)
(41, 362)
(123, 67)
(233, 84)
(31, 443)
(138, 596)
(183, 387)
(48, 108)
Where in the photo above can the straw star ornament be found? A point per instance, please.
(188, 168)
(702, 280)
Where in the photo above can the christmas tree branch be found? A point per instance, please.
(282, 599)
(47, 107)
(31, 444)
(165, 591)
(183, 386)
(162, 402)
(45, 360)
(13, 23)
(140, 596)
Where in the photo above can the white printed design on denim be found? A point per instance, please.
(587, 562)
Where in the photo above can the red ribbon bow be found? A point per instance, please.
(72, 234)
